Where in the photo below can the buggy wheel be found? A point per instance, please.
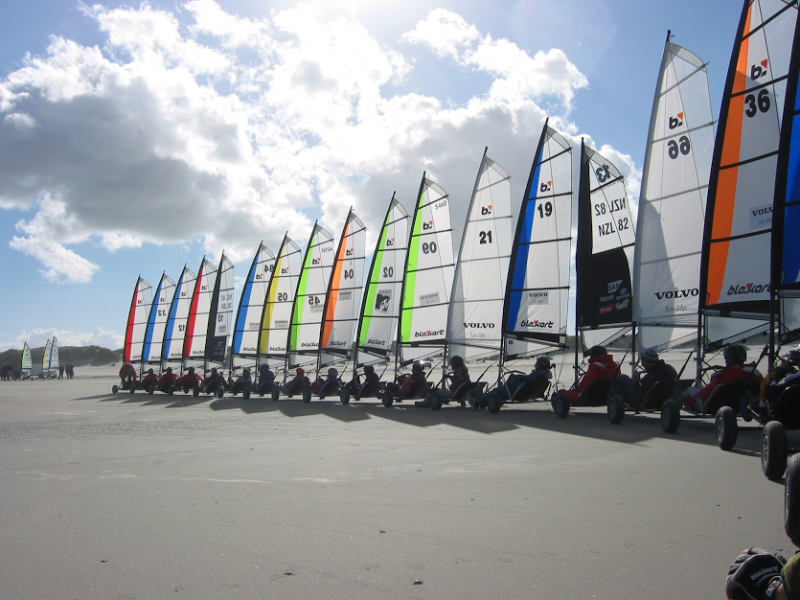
(774, 450)
(494, 402)
(670, 416)
(114, 389)
(744, 409)
(387, 399)
(170, 390)
(220, 392)
(151, 389)
(275, 395)
(560, 404)
(246, 392)
(306, 396)
(344, 397)
(615, 410)
(791, 504)
(436, 401)
(196, 390)
(726, 428)
(133, 388)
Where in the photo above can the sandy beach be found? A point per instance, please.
(151, 497)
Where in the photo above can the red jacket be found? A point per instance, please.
(167, 378)
(149, 378)
(190, 378)
(128, 370)
(731, 374)
(600, 368)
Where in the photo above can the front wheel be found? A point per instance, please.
(114, 389)
(344, 397)
(306, 396)
(196, 391)
(560, 404)
(387, 400)
(670, 416)
(615, 410)
(220, 392)
(726, 428)
(774, 450)
(246, 392)
(791, 505)
(494, 403)
(436, 401)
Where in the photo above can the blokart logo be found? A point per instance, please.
(309, 345)
(486, 210)
(427, 225)
(537, 324)
(747, 288)
(277, 349)
(671, 295)
(604, 310)
(479, 325)
(614, 286)
(349, 252)
(259, 276)
(390, 243)
(759, 70)
(429, 333)
(316, 261)
(336, 343)
(376, 342)
(676, 121)
(248, 349)
(284, 270)
(546, 186)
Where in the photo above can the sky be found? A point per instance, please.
(138, 138)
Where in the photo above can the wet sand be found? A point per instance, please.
(149, 497)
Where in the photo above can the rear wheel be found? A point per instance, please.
(560, 404)
(114, 389)
(774, 450)
(220, 392)
(726, 428)
(615, 410)
(791, 506)
(387, 400)
(494, 402)
(436, 401)
(196, 390)
(306, 395)
(246, 392)
(344, 397)
(275, 395)
(670, 416)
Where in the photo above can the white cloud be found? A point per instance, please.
(234, 130)
(37, 338)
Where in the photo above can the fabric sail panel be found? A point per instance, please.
(381, 306)
(175, 331)
(26, 362)
(737, 238)
(309, 303)
(604, 247)
(194, 345)
(251, 305)
(138, 314)
(219, 320)
(274, 335)
(476, 304)
(343, 300)
(672, 203)
(429, 271)
(157, 321)
(53, 359)
(535, 312)
(785, 278)
(46, 355)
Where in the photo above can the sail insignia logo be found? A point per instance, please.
(536, 324)
(315, 261)
(259, 276)
(348, 252)
(479, 325)
(538, 298)
(676, 121)
(377, 342)
(603, 174)
(390, 243)
(429, 333)
(614, 286)
(248, 349)
(429, 299)
(747, 288)
(309, 345)
(759, 70)
(382, 300)
(546, 186)
(674, 294)
(139, 301)
(284, 270)
(427, 225)
(486, 210)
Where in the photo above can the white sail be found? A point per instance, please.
(175, 332)
(157, 321)
(343, 299)
(194, 345)
(46, 356)
(138, 313)
(251, 306)
(428, 277)
(26, 362)
(273, 341)
(381, 307)
(538, 280)
(309, 303)
(219, 319)
(474, 326)
(54, 359)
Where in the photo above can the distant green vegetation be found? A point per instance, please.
(80, 356)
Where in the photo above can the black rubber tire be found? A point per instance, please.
(774, 450)
(150, 390)
(246, 393)
(615, 410)
(276, 395)
(387, 400)
(560, 404)
(670, 416)
(791, 503)
(744, 409)
(306, 396)
(726, 428)
(436, 401)
(133, 389)
(170, 390)
(114, 389)
(196, 391)
(220, 392)
(494, 403)
(344, 397)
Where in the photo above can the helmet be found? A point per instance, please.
(300, 372)
(369, 369)
(649, 356)
(190, 369)
(150, 371)
(213, 371)
(735, 353)
(596, 351)
(333, 372)
(418, 365)
(169, 369)
(456, 361)
(246, 372)
(542, 363)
